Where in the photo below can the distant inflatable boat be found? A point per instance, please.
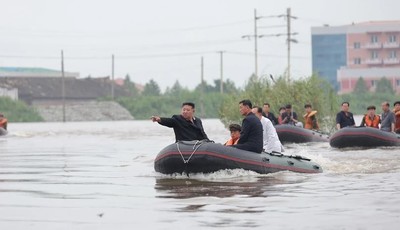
(207, 157)
(363, 137)
(3, 132)
(294, 134)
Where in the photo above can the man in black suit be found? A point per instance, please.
(186, 126)
(266, 113)
(251, 136)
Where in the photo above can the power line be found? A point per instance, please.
(267, 55)
(104, 57)
(63, 33)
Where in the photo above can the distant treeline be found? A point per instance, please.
(210, 103)
(151, 101)
(18, 111)
(361, 98)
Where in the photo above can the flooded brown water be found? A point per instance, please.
(100, 175)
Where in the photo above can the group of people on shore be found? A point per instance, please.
(389, 120)
(256, 133)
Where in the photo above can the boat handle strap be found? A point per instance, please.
(196, 146)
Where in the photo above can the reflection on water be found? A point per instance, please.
(189, 188)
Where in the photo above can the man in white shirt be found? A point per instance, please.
(270, 137)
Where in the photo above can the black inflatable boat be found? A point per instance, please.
(3, 132)
(363, 137)
(294, 134)
(207, 157)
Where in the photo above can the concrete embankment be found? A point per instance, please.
(83, 111)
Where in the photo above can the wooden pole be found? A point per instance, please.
(63, 86)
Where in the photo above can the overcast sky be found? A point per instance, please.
(165, 39)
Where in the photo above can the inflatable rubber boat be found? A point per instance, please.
(206, 157)
(294, 134)
(363, 137)
(3, 132)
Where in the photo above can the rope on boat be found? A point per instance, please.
(196, 146)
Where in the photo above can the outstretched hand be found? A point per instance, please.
(155, 118)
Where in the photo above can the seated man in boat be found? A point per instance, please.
(396, 111)
(3, 122)
(388, 118)
(268, 114)
(344, 118)
(370, 119)
(251, 136)
(310, 119)
(186, 126)
(270, 137)
(282, 110)
(235, 134)
(289, 117)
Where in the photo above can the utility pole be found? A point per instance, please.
(221, 85)
(255, 44)
(112, 77)
(289, 39)
(63, 86)
(288, 43)
(202, 87)
(256, 36)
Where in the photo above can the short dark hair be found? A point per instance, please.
(282, 108)
(266, 103)
(397, 102)
(345, 102)
(235, 127)
(371, 107)
(307, 106)
(189, 104)
(246, 102)
(259, 109)
(386, 103)
(288, 106)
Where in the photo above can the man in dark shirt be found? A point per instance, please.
(266, 113)
(388, 118)
(289, 117)
(251, 136)
(186, 126)
(344, 118)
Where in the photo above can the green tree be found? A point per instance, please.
(176, 90)
(361, 87)
(384, 86)
(18, 111)
(207, 88)
(228, 86)
(131, 86)
(151, 89)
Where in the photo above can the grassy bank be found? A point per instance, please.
(17, 111)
